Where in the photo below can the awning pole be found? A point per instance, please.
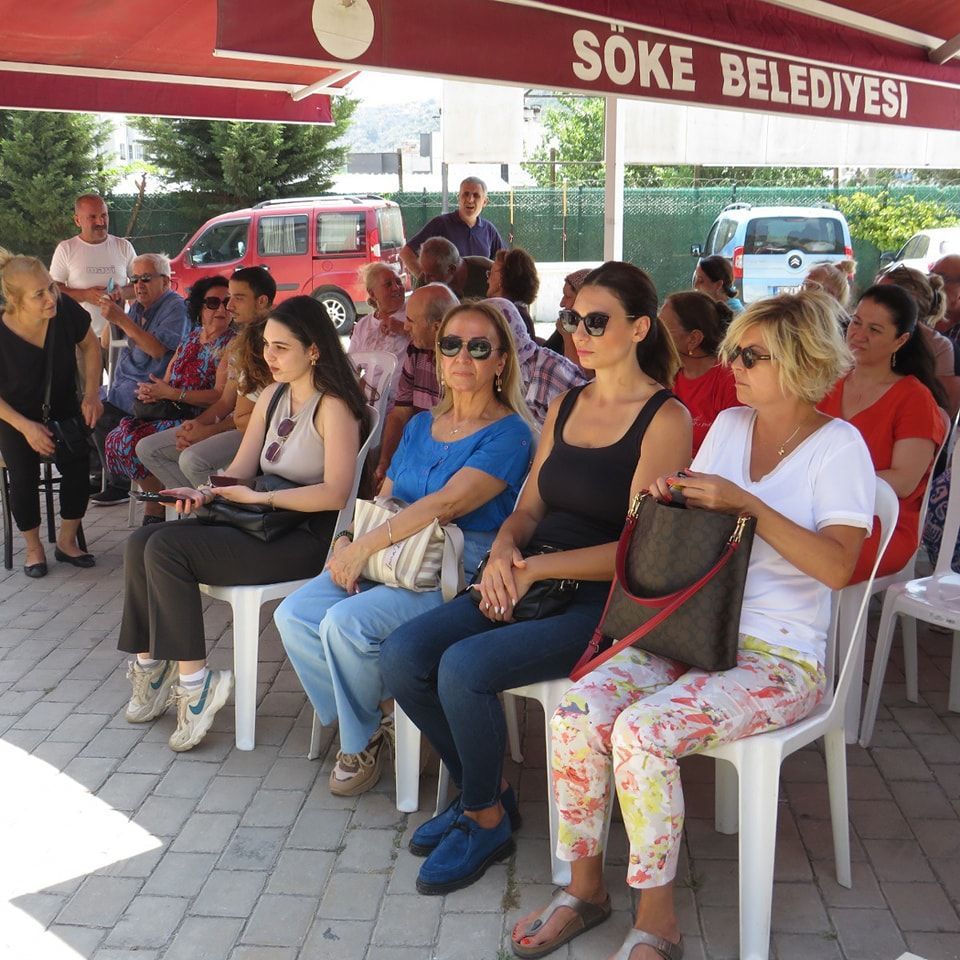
(613, 181)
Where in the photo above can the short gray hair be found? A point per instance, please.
(160, 261)
(443, 251)
(480, 183)
(368, 272)
(440, 299)
(84, 197)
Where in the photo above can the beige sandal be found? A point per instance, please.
(666, 949)
(586, 916)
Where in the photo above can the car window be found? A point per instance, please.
(907, 249)
(708, 247)
(726, 231)
(341, 233)
(923, 244)
(390, 224)
(780, 234)
(221, 242)
(282, 236)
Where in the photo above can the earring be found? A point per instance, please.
(498, 383)
(893, 361)
(313, 361)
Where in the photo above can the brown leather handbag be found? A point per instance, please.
(678, 589)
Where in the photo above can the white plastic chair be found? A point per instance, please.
(933, 599)
(753, 765)
(376, 368)
(850, 604)
(245, 602)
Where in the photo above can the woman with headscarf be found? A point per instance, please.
(560, 341)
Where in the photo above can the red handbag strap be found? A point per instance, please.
(591, 658)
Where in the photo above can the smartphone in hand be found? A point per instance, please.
(145, 496)
(222, 480)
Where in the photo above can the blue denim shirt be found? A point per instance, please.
(167, 320)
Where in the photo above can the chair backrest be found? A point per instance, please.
(376, 369)
(886, 509)
(951, 523)
(945, 445)
(345, 516)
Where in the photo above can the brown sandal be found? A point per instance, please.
(666, 949)
(586, 916)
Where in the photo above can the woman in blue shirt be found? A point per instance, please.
(462, 462)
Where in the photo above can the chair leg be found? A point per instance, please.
(81, 539)
(48, 496)
(443, 789)
(953, 702)
(758, 836)
(848, 615)
(513, 729)
(559, 869)
(315, 727)
(7, 520)
(881, 654)
(406, 761)
(725, 802)
(908, 632)
(246, 645)
(835, 750)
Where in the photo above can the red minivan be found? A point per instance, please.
(311, 245)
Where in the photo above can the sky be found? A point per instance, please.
(372, 87)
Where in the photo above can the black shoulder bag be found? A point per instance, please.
(71, 434)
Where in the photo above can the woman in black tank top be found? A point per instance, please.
(601, 443)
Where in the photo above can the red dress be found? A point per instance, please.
(705, 396)
(906, 411)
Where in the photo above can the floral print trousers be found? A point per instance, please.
(637, 715)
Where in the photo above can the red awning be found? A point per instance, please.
(127, 56)
(743, 54)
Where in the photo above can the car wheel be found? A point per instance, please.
(339, 308)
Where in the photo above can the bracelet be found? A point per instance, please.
(270, 496)
(343, 533)
(390, 533)
(183, 393)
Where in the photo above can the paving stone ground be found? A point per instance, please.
(112, 847)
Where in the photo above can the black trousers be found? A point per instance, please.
(109, 420)
(164, 564)
(23, 465)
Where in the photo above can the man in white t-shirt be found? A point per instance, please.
(84, 265)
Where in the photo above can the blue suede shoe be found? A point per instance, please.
(431, 832)
(463, 855)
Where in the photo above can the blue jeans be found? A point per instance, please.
(447, 667)
(333, 641)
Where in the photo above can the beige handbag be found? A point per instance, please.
(426, 560)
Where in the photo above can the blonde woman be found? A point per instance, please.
(463, 462)
(809, 482)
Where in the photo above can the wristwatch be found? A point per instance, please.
(343, 533)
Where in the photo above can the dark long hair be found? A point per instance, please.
(914, 357)
(307, 319)
(697, 311)
(719, 268)
(199, 290)
(656, 353)
(518, 275)
(252, 370)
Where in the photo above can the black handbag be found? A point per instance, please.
(678, 589)
(544, 598)
(71, 435)
(164, 410)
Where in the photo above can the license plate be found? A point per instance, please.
(775, 290)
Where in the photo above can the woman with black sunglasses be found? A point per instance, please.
(304, 436)
(602, 443)
(462, 462)
(194, 379)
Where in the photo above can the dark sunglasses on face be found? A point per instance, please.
(748, 356)
(144, 277)
(284, 429)
(479, 348)
(214, 303)
(595, 322)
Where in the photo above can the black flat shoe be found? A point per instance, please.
(85, 560)
(36, 570)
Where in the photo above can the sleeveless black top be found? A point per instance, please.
(587, 489)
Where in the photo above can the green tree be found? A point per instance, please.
(575, 125)
(46, 160)
(237, 163)
(888, 221)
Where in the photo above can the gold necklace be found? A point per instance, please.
(783, 446)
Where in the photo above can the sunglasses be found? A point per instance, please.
(479, 348)
(594, 322)
(214, 303)
(144, 277)
(284, 429)
(748, 356)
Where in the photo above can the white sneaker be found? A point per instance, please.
(197, 707)
(151, 689)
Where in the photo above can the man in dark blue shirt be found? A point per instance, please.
(464, 228)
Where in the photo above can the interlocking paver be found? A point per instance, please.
(273, 808)
(100, 901)
(280, 920)
(352, 896)
(147, 923)
(867, 934)
(252, 848)
(180, 874)
(301, 872)
(230, 893)
(212, 938)
(921, 906)
(228, 794)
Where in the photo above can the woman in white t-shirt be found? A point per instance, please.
(809, 481)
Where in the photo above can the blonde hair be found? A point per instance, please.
(802, 333)
(927, 291)
(834, 280)
(511, 385)
(15, 265)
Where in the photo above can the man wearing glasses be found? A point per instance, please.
(948, 269)
(154, 328)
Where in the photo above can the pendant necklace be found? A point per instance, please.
(783, 446)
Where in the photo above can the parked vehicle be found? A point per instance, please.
(311, 245)
(772, 248)
(923, 249)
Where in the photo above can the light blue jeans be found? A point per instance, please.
(333, 641)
